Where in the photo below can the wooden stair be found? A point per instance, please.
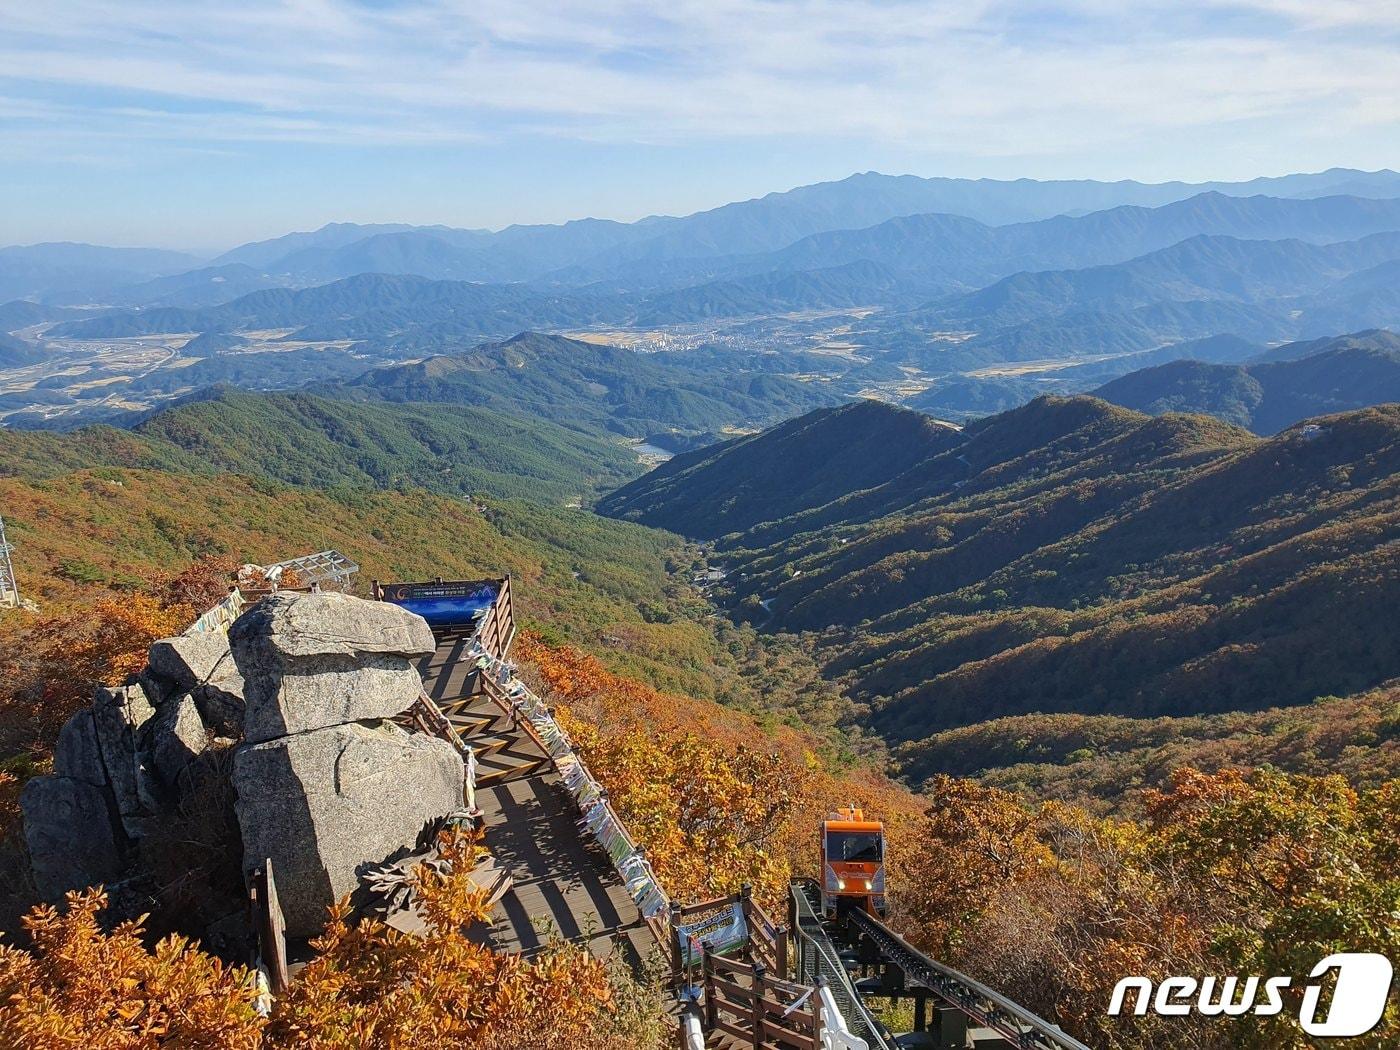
(562, 883)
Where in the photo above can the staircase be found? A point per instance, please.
(503, 751)
(564, 886)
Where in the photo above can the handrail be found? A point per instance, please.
(219, 616)
(984, 1005)
(598, 816)
(817, 958)
(692, 1030)
(832, 1028)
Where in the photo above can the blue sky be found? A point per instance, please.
(200, 124)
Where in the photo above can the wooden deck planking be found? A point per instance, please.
(564, 885)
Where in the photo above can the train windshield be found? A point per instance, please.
(854, 846)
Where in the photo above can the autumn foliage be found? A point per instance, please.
(369, 986)
(49, 666)
(81, 987)
(716, 800)
(1231, 873)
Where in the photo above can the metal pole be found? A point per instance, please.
(9, 587)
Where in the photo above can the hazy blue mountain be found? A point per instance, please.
(424, 315)
(1201, 267)
(1375, 338)
(16, 353)
(853, 284)
(21, 313)
(778, 219)
(263, 255)
(440, 254)
(65, 272)
(208, 286)
(1261, 291)
(1327, 376)
(354, 308)
(592, 250)
(970, 396)
(950, 249)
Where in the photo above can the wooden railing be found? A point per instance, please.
(269, 925)
(745, 1001)
(767, 943)
(497, 628)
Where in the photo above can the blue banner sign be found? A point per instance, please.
(449, 604)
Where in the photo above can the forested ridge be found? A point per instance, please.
(303, 439)
(1074, 557)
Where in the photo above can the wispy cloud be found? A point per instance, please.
(973, 77)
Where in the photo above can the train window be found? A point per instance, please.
(853, 846)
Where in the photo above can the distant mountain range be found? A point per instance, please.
(591, 250)
(1267, 395)
(871, 285)
(594, 249)
(82, 273)
(1189, 272)
(1066, 556)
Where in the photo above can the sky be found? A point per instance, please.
(200, 125)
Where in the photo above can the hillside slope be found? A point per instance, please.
(794, 467)
(573, 382)
(1275, 391)
(1074, 556)
(306, 440)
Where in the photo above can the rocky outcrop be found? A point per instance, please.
(310, 661)
(119, 716)
(72, 834)
(178, 738)
(325, 786)
(324, 805)
(77, 754)
(202, 666)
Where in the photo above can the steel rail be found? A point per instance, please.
(817, 957)
(989, 1008)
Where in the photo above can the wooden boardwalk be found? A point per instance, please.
(564, 885)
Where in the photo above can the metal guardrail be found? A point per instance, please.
(817, 958)
(989, 1008)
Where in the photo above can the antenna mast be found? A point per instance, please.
(9, 589)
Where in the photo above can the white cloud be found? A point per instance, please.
(975, 77)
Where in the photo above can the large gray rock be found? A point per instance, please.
(316, 692)
(310, 661)
(119, 715)
(294, 625)
(178, 738)
(325, 804)
(191, 660)
(68, 826)
(203, 666)
(77, 754)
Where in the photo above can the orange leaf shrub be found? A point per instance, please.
(368, 986)
(83, 988)
(1232, 873)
